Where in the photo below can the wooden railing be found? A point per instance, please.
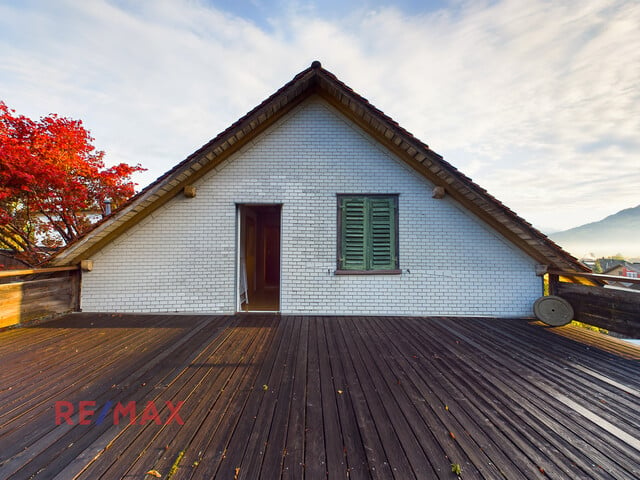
(33, 294)
(617, 310)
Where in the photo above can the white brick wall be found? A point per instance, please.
(183, 257)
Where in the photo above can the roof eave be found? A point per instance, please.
(308, 82)
(431, 165)
(196, 165)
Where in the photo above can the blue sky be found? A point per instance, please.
(538, 101)
(263, 12)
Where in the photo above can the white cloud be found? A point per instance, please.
(536, 101)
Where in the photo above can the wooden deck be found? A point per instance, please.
(309, 397)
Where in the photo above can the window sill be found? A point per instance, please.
(367, 272)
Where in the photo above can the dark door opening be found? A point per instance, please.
(259, 265)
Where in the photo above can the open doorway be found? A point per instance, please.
(259, 258)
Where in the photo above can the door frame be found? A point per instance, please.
(240, 246)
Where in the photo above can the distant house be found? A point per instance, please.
(608, 264)
(589, 261)
(624, 269)
(315, 202)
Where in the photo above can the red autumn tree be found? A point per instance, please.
(51, 178)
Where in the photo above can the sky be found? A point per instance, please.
(538, 101)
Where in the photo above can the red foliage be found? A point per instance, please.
(51, 177)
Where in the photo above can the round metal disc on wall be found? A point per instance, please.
(552, 310)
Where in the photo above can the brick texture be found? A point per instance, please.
(183, 257)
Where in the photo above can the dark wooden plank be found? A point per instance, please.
(16, 338)
(226, 450)
(410, 403)
(66, 441)
(336, 466)
(623, 323)
(315, 458)
(30, 363)
(553, 414)
(613, 400)
(100, 455)
(23, 342)
(218, 424)
(377, 462)
(583, 383)
(65, 382)
(389, 437)
(504, 408)
(520, 398)
(136, 444)
(600, 352)
(230, 398)
(582, 367)
(353, 448)
(429, 406)
(293, 466)
(47, 372)
(199, 387)
(458, 413)
(274, 427)
(26, 366)
(44, 439)
(248, 446)
(386, 385)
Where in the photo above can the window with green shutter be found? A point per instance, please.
(367, 233)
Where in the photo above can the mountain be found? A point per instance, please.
(617, 233)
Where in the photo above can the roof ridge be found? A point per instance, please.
(316, 79)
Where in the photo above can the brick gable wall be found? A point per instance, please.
(183, 256)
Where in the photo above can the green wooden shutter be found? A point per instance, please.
(353, 214)
(382, 234)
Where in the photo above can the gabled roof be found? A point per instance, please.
(315, 80)
(634, 267)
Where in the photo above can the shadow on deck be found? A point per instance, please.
(309, 397)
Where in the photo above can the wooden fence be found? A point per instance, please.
(27, 295)
(616, 310)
